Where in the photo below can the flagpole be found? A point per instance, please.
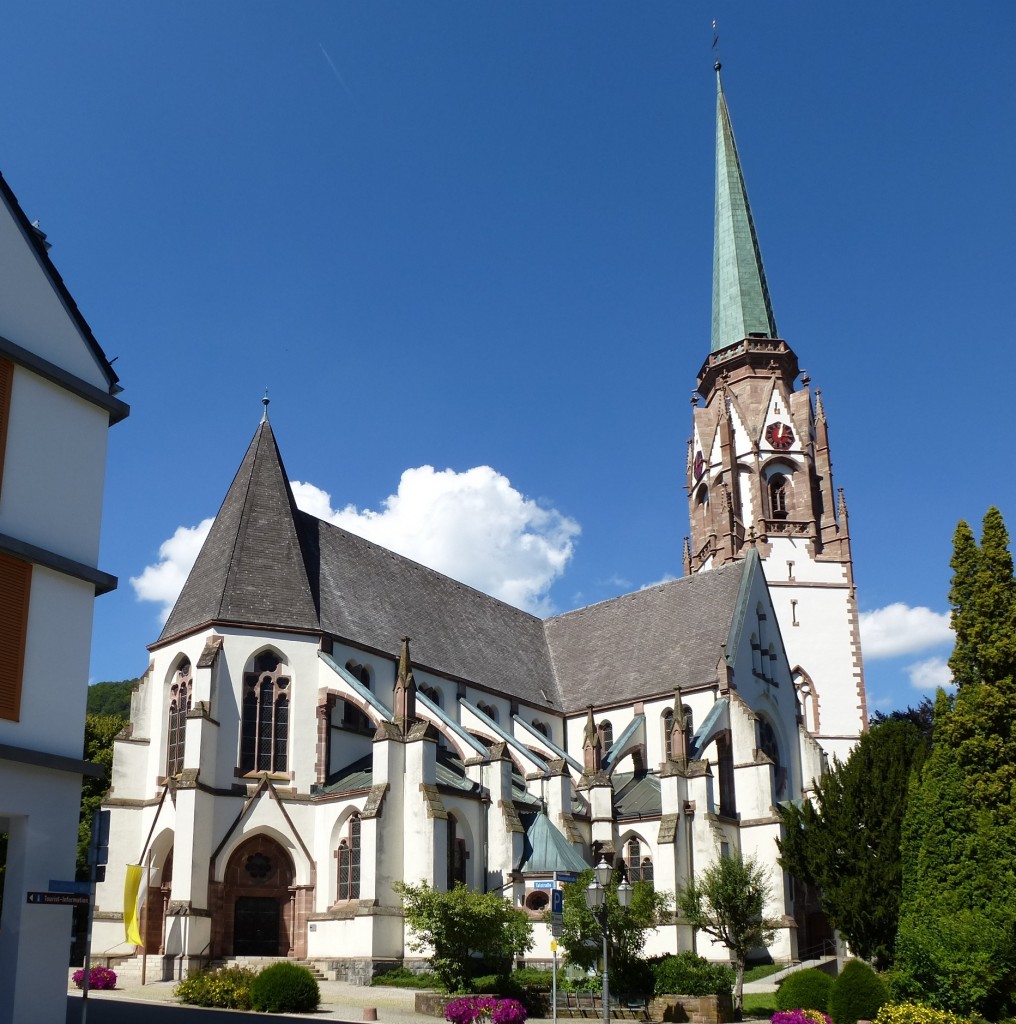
(144, 917)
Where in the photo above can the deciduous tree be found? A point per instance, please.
(464, 927)
(728, 902)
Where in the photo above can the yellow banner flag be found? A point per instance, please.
(132, 900)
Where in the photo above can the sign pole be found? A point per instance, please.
(553, 949)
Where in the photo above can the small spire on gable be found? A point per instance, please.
(592, 749)
(741, 305)
(678, 737)
(405, 690)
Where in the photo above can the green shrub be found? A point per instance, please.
(804, 990)
(226, 989)
(403, 977)
(532, 977)
(690, 975)
(284, 988)
(857, 993)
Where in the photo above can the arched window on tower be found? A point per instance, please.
(456, 854)
(769, 745)
(264, 736)
(179, 705)
(725, 771)
(778, 488)
(689, 728)
(348, 855)
(702, 505)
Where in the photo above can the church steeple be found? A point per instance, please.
(741, 305)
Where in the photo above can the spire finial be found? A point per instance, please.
(716, 50)
(266, 401)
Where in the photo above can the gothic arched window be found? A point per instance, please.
(456, 855)
(431, 693)
(179, 705)
(352, 716)
(689, 729)
(542, 728)
(264, 736)
(667, 723)
(348, 855)
(606, 731)
(489, 710)
(778, 486)
(637, 863)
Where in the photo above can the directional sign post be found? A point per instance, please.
(56, 885)
(60, 899)
(557, 912)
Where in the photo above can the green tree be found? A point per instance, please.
(922, 717)
(728, 902)
(462, 927)
(100, 731)
(847, 842)
(965, 563)
(582, 936)
(110, 698)
(956, 946)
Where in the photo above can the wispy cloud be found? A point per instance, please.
(900, 629)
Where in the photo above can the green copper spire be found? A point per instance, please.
(741, 303)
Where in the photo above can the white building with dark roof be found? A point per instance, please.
(57, 403)
(293, 753)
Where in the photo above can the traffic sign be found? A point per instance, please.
(566, 876)
(60, 899)
(543, 884)
(557, 901)
(55, 885)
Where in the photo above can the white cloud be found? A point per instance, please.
(930, 674)
(163, 581)
(473, 526)
(899, 629)
(665, 578)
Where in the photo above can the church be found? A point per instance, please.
(322, 718)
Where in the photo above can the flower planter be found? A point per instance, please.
(692, 1009)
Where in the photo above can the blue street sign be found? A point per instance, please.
(567, 876)
(55, 885)
(557, 901)
(60, 899)
(543, 884)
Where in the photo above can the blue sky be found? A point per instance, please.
(466, 235)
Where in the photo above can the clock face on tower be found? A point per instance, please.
(780, 436)
(700, 466)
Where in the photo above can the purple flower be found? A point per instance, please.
(470, 1009)
(800, 1017)
(98, 978)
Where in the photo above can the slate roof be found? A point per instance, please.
(267, 564)
(647, 642)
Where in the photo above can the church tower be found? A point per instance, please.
(759, 472)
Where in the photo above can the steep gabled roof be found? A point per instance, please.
(251, 567)
(647, 642)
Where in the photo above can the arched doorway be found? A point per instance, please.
(257, 900)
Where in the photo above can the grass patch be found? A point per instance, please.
(759, 1004)
(762, 971)
(403, 978)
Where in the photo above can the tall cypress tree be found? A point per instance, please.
(965, 564)
(956, 946)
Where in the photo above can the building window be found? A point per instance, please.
(667, 722)
(456, 855)
(725, 770)
(606, 731)
(542, 728)
(15, 593)
(349, 862)
(778, 496)
(264, 738)
(769, 746)
(431, 694)
(638, 866)
(179, 705)
(689, 729)
(6, 382)
(489, 710)
(352, 717)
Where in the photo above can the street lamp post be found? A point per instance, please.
(596, 901)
